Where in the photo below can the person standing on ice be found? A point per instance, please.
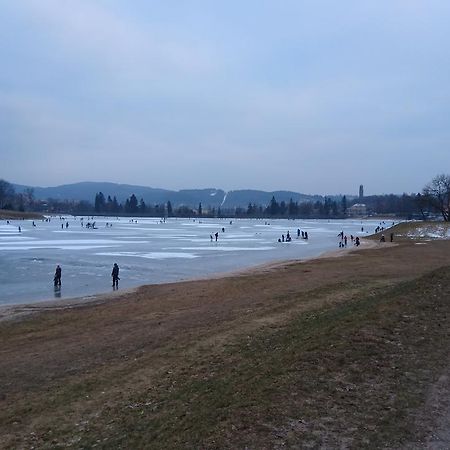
(115, 276)
(57, 277)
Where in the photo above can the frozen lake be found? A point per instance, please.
(148, 251)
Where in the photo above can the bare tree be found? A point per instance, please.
(422, 204)
(29, 197)
(437, 193)
(6, 193)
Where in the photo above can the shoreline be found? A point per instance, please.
(330, 341)
(18, 311)
(153, 259)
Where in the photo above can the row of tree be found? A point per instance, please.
(434, 199)
(133, 206)
(326, 209)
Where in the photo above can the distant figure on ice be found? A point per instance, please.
(216, 234)
(57, 277)
(115, 276)
(357, 241)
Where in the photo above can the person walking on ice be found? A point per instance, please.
(115, 276)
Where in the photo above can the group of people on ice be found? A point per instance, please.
(216, 235)
(114, 275)
(344, 240)
(288, 238)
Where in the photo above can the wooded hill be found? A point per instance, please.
(211, 197)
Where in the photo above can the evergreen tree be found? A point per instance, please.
(306, 209)
(334, 208)
(142, 207)
(319, 208)
(133, 204)
(292, 208)
(273, 207)
(109, 204)
(115, 205)
(99, 205)
(326, 207)
(169, 209)
(344, 205)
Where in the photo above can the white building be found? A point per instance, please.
(356, 210)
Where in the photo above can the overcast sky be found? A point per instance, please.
(310, 96)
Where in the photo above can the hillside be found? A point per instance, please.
(210, 197)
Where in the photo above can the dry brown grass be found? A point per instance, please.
(6, 214)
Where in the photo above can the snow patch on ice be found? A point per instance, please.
(228, 249)
(151, 255)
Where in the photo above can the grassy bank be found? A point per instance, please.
(337, 361)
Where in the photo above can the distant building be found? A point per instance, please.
(361, 191)
(357, 210)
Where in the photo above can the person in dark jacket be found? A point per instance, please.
(115, 276)
(57, 277)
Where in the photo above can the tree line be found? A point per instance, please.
(434, 199)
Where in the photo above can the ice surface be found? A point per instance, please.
(149, 251)
(152, 255)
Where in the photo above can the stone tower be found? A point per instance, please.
(361, 191)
